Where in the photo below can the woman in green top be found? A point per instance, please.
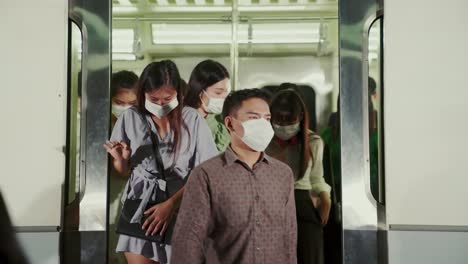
(207, 88)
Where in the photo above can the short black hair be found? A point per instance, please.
(123, 80)
(234, 100)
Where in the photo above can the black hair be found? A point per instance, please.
(235, 99)
(123, 80)
(183, 87)
(372, 86)
(204, 75)
(290, 101)
(154, 77)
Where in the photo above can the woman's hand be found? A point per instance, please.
(324, 207)
(120, 151)
(159, 217)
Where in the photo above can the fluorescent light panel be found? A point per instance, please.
(245, 2)
(124, 9)
(266, 33)
(125, 3)
(163, 2)
(123, 56)
(191, 33)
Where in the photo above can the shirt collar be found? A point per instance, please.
(231, 157)
(285, 143)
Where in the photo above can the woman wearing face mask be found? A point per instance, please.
(184, 141)
(123, 92)
(208, 87)
(123, 96)
(302, 150)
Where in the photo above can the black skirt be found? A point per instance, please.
(309, 230)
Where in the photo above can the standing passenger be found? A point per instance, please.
(184, 141)
(302, 150)
(123, 97)
(123, 92)
(208, 87)
(242, 199)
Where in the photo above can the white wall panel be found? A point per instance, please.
(426, 108)
(33, 108)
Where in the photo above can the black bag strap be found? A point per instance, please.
(157, 155)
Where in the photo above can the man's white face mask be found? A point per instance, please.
(257, 134)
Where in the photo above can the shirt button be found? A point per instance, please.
(257, 221)
(257, 198)
(258, 249)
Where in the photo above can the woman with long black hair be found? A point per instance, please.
(302, 150)
(183, 140)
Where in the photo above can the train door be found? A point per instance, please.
(84, 221)
(321, 46)
(426, 155)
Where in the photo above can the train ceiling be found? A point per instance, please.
(164, 28)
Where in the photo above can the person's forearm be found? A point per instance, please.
(121, 166)
(176, 199)
(325, 201)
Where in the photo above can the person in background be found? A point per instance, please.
(123, 96)
(242, 199)
(302, 150)
(184, 141)
(332, 168)
(207, 88)
(123, 92)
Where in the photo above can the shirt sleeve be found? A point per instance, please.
(205, 145)
(194, 222)
(118, 132)
(291, 223)
(317, 180)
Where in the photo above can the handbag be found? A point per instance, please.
(131, 205)
(336, 205)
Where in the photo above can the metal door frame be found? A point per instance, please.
(364, 227)
(84, 231)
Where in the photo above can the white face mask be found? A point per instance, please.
(161, 110)
(287, 132)
(257, 134)
(215, 105)
(117, 110)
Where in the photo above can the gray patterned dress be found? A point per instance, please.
(196, 146)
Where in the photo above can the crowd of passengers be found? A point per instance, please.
(203, 174)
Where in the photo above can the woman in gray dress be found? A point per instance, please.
(184, 142)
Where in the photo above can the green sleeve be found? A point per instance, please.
(220, 133)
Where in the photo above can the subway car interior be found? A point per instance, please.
(394, 148)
